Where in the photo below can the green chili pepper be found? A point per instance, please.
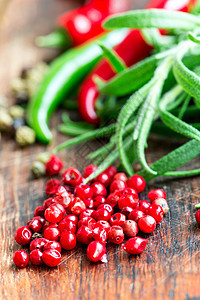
(65, 73)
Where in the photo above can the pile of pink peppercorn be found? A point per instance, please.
(107, 209)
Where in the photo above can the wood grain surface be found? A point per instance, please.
(169, 268)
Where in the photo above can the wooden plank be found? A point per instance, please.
(168, 269)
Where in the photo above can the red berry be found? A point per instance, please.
(197, 216)
(83, 191)
(86, 213)
(147, 224)
(116, 235)
(78, 206)
(23, 235)
(98, 189)
(39, 211)
(111, 171)
(128, 200)
(163, 203)
(48, 202)
(117, 185)
(98, 201)
(38, 244)
(135, 215)
(120, 176)
(36, 224)
(117, 219)
(54, 165)
(101, 214)
(126, 210)
(87, 221)
(104, 178)
(36, 257)
(130, 228)
(54, 213)
(72, 218)
(67, 224)
(144, 205)
(99, 233)
(106, 206)
(155, 194)
(51, 257)
(47, 225)
(68, 240)
(96, 251)
(84, 235)
(113, 198)
(89, 203)
(135, 245)
(137, 182)
(51, 187)
(52, 233)
(52, 245)
(63, 197)
(156, 212)
(72, 176)
(132, 191)
(89, 170)
(20, 258)
(104, 224)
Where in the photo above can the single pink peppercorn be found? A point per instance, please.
(48, 202)
(126, 210)
(51, 187)
(135, 215)
(113, 198)
(144, 205)
(147, 224)
(128, 200)
(117, 185)
(111, 171)
(72, 218)
(101, 214)
(87, 221)
(117, 219)
(106, 225)
(163, 203)
(86, 213)
(155, 194)
(54, 165)
(68, 240)
(156, 212)
(67, 224)
(20, 258)
(39, 211)
(52, 233)
(89, 203)
(77, 207)
(54, 213)
(104, 179)
(36, 224)
(36, 257)
(99, 233)
(130, 228)
(98, 201)
(83, 191)
(197, 216)
(98, 189)
(116, 235)
(38, 244)
(23, 235)
(120, 176)
(106, 206)
(135, 245)
(89, 170)
(84, 235)
(52, 245)
(129, 190)
(51, 257)
(63, 197)
(136, 182)
(72, 177)
(96, 251)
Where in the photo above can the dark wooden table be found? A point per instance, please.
(169, 268)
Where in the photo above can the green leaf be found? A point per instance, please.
(174, 159)
(153, 18)
(184, 107)
(193, 38)
(116, 62)
(160, 42)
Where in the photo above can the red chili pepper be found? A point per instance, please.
(81, 24)
(132, 49)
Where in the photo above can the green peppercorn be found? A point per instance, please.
(38, 169)
(3, 101)
(16, 111)
(43, 157)
(6, 120)
(18, 85)
(25, 136)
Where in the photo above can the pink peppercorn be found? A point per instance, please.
(51, 257)
(54, 165)
(136, 182)
(20, 258)
(96, 251)
(135, 245)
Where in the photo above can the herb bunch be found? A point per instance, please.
(157, 95)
